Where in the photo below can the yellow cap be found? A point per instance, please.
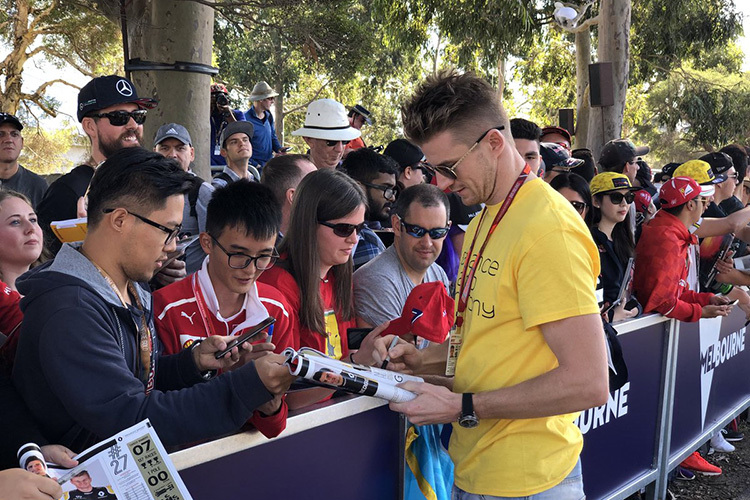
(610, 181)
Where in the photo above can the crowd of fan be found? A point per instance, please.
(325, 241)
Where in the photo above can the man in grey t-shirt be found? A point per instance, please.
(420, 224)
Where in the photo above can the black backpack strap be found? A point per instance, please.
(193, 194)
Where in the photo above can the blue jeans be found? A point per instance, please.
(571, 488)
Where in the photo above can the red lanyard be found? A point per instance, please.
(202, 307)
(463, 297)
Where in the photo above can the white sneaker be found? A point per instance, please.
(718, 443)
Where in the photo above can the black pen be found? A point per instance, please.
(387, 356)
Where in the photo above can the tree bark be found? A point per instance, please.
(12, 66)
(614, 47)
(280, 87)
(166, 31)
(500, 74)
(583, 107)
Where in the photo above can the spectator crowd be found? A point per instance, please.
(97, 335)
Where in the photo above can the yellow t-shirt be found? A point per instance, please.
(539, 266)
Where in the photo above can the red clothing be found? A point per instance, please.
(356, 144)
(659, 279)
(331, 342)
(179, 323)
(10, 319)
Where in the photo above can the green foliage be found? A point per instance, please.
(547, 76)
(709, 108)
(666, 32)
(44, 152)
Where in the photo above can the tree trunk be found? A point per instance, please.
(614, 47)
(278, 61)
(166, 31)
(12, 69)
(583, 107)
(500, 74)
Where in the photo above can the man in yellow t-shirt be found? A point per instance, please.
(532, 351)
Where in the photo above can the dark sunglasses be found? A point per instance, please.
(579, 206)
(171, 232)
(120, 118)
(389, 192)
(616, 198)
(435, 233)
(332, 144)
(343, 230)
(238, 260)
(450, 170)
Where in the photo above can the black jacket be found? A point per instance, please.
(78, 355)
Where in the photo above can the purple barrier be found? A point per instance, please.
(620, 437)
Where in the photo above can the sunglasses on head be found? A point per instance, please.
(579, 206)
(332, 144)
(120, 118)
(416, 231)
(616, 198)
(343, 230)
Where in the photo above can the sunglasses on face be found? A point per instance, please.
(616, 198)
(170, 232)
(343, 230)
(579, 206)
(332, 144)
(435, 233)
(120, 118)
(389, 192)
(238, 260)
(450, 170)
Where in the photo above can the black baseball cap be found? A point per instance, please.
(174, 131)
(8, 118)
(720, 162)
(618, 152)
(236, 128)
(404, 152)
(105, 91)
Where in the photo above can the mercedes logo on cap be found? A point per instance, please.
(124, 88)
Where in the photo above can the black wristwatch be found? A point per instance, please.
(468, 418)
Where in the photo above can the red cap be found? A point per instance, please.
(427, 313)
(642, 201)
(678, 191)
(219, 87)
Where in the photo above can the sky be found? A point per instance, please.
(35, 74)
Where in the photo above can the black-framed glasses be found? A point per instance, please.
(239, 260)
(450, 170)
(579, 206)
(120, 118)
(616, 198)
(416, 231)
(343, 230)
(332, 144)
(171, 232)
(389, 192)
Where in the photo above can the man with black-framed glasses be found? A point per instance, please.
(89, 360)
(224, 296)
(420, 223)
(112, 116)
(376, 174)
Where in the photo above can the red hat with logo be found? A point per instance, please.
(427, 313)
(678, 191)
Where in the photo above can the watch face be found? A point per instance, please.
(468, 421)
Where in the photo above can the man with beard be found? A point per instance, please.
(112, 115)
(420, 224)
(376, 174)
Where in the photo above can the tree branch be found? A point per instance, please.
(41, 14)
(69, 60)
(301, 106)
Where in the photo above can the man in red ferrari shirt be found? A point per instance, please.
(661, 266)
(223, 297)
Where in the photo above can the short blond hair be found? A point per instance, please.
(461, 102)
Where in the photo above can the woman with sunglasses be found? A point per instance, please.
(612, 195)
(315, 270)
(575, 189)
